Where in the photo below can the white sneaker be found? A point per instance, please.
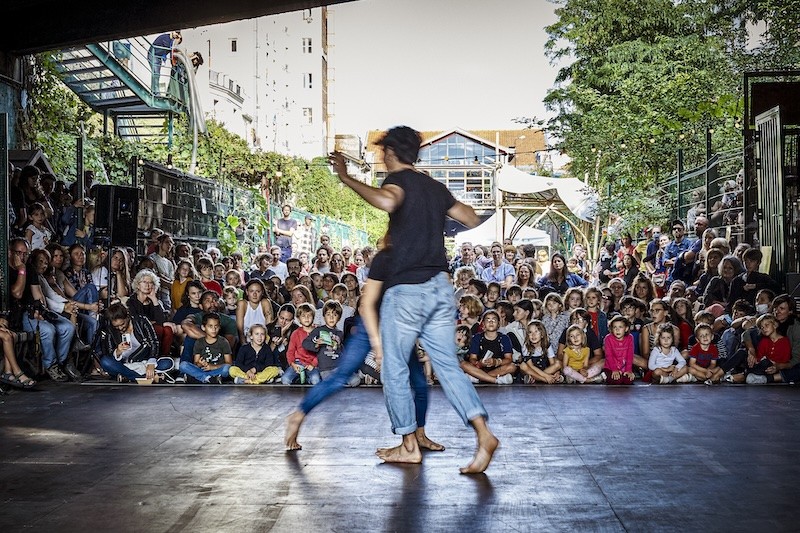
(238, 381)
(666, 379)
(708, 382)
(755, 379)
(505, 379)
(474, 379)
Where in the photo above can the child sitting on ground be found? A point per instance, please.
(231, 297)
(703, 356)
(554, 319)
(618, 348)
(575, 363)
(302, 362)
(666, 362)
(773, 349)
(539, 361)
(326, 342)
(255, 363)
(490, 358)
(211, 354)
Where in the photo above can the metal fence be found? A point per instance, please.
(714, 189)
(190, 208)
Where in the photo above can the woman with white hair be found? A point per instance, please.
(145, 303)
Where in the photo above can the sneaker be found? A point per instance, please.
(56, 374)
(755, 379)
(602, 377)
(474, 379)
(708, 382)
(505, 379)
(528, 380)
(181, 378)
(568, 380)
(238, 381)
(560, 378)
(728, 378)
(666, 379)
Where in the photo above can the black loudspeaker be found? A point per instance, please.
(116, 215)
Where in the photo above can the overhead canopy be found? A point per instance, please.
(580, 199)
(486, 233)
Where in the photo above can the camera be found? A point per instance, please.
(44, 312)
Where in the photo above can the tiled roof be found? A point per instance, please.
(525, 148)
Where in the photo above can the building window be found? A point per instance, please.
(308, 114)
(233, 45)
(307, 81)
(306, 45)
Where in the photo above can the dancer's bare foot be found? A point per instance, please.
(426, 443)
(293, 423)
(487, 444)
(407, 452)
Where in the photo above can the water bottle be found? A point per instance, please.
(302, 371)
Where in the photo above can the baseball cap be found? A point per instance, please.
(678, 222)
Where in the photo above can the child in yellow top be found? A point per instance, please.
(576, 357)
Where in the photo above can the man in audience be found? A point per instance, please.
(278, 266)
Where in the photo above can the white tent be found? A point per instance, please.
(572, 192)
(486, 233)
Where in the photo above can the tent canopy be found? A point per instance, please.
(580, 199)
(486, 233)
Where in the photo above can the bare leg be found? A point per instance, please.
(293, 423)
(487, 444)
(426, 443)
(407, 452)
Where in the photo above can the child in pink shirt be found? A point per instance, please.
(618, 346)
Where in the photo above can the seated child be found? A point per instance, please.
(326, 342)
(703, 356)
(302, 362)
(666, 361)
(211, 354)
(255, 363)
(618, 348)
(490, 358)
(575, 362)
(773, 349)
(634, 310)
(539, 361)
(230, 295)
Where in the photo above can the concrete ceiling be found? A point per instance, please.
(39, 25)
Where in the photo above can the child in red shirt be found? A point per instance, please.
(301, 361)
(772, 349)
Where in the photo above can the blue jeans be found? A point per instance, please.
(290, 375)
(353, 354)
(423, 311)
(286, 253)
(203, 376)
(117, 368)
(87, 294)
(155, 67)
(56, 338)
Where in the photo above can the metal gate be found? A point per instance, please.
(769, 180)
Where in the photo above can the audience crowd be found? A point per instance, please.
(671, 308)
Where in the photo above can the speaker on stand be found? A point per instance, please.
(116, 215)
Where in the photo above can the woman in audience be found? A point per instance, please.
(190, 303)
(120, 281)
(131, 346)
(559, 278)
(525, 276)
(96, 264)
(12, 373)
(719, 287)
(255, 308)
(470, 310)
(711, 268)
(353, 290)
(337, 264)
(630, 269)
(145, 303)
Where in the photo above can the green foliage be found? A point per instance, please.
(647, 78)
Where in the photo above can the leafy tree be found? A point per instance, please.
(646, 79)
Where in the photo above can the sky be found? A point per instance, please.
(439, 64)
